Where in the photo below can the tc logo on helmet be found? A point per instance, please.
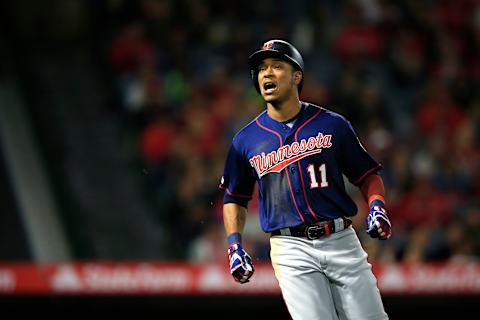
(267, 45)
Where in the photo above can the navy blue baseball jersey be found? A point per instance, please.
(299, 169)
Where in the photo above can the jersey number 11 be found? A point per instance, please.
(313, 178)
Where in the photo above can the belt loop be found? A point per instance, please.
(339, 224)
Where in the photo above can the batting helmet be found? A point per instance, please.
(275, 49)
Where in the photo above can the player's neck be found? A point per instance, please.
(285, 111)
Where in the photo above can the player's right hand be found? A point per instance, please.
(241, 266)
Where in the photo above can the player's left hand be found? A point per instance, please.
(378, 224)
(241, 266)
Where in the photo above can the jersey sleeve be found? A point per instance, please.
(354, 160)
(238, 180)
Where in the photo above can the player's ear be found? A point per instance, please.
(297, 76)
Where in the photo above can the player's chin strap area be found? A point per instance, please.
(315, 231)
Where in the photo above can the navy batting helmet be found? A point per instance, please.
(275, 49)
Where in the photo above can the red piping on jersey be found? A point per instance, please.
(300, 168)
(286, 171)
(237, 195)
(366, 173)
(234, 194)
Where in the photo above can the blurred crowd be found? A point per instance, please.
(406, 73)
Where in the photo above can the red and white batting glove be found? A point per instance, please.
(378, 224)
(241, 266)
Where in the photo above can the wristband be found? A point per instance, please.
(376, 200)
(234, 237)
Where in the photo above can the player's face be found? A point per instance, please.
(277, 79)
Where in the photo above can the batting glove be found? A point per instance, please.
(241, 266)
(378, 224)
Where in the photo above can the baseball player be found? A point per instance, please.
(297, 153)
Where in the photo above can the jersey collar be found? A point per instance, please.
(281, 126)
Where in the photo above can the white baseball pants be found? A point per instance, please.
(326, 279)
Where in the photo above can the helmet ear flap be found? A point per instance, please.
(254, 75)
